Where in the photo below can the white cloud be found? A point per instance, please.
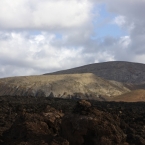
(119, 20)
(43, 52)
(25, 53)
(104, 56)
(44, 14)
(125, 41)
(35, 54)
(130, 17)
(139, 58)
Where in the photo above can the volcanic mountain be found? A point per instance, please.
(99, 81)
(121, 71)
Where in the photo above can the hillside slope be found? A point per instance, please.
(133, 96)
(88, 85)
(120, 71)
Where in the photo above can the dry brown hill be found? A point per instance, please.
(126, 72)
(133, 96)
(86, 85)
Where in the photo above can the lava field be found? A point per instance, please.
(49, 121)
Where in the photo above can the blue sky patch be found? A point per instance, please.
(103, 25)
(58, 36)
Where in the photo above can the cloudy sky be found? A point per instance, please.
(41, 36)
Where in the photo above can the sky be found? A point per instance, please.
(38, 37)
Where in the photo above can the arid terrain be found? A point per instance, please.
(97, 104)
(63, 86)
(100, 81)
(47, 121)
(133, 96)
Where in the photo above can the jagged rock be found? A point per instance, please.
(30, 121)
(84, 103)
(35, 129)
(82, 107)
(59, 141)
(91, 126)
(51, 95)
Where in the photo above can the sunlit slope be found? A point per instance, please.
(64, 86)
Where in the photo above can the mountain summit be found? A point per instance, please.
(121, 71)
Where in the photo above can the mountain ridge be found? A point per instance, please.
(100, 81)
(61, 86)
(121, 71)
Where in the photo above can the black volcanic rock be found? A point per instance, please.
(47, 121)
(126, 72)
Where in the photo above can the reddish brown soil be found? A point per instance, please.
(133, 96)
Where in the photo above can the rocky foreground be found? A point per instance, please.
(45, 121)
